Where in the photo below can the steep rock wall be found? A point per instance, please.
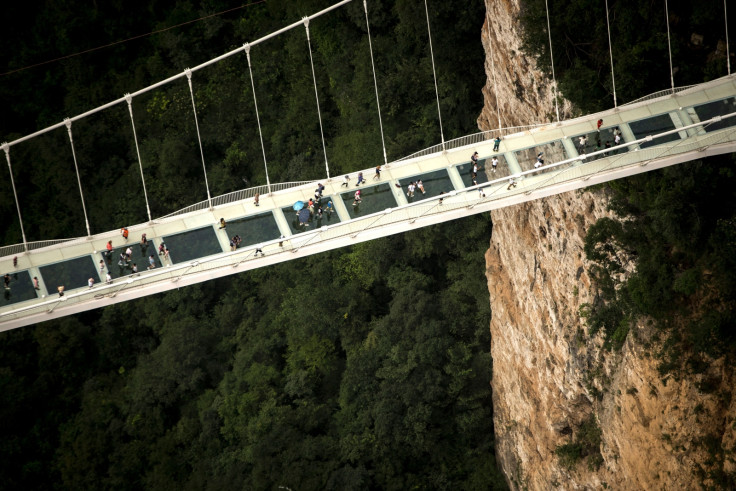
(549, 377)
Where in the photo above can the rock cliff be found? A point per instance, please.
(625, 427)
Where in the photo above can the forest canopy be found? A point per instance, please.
(367, 367)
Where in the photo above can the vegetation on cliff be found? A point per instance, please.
(639, 48)
(668, 259)
(676, 224)
(362, 368)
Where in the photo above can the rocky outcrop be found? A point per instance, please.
(552, 383)
(516, 92)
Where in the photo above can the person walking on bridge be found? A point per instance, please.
(496, 143)
(494, 164)
(581, 144)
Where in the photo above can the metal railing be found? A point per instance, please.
(9, 250)
(658, 94)
(473, 139)
(238, 196)
(467, 198)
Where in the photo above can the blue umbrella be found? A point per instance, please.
(304, 215)
(298, 205)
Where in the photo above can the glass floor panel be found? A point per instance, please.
(192, 244)
(717, 108)
(314, 221)
(598, 141)
(433, 182)
(552, 152)
(139, 257)
(21, 288)
(374, 199)
(254, 229)
(71, 274)
(485, 173)
(652, 126)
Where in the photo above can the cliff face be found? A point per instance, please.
(515, 91)
(552, 384)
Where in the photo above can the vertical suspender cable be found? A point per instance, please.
(375, 83)
(199, 138)
(316, 95)
(129, 100)
(6, 147)
(669, 45)
(246, 48)
(554, 80)
(728, 53)
(434, 74)
(610, 52)
(68, 123)
(495, 86)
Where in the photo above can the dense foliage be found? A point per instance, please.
(683, 242)
(362, 368)
(639, 48)
(676, 225)
(165, 128)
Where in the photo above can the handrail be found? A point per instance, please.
(404, 213)
(471, 139)
(237, 196)
(9, 250)
(660, 93)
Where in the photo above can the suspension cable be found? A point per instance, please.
(6, 147)
(246, 48)
(610, 52)
(495, 86)
(669, 45)
(199, 138)
(375, 83)
(129, 100)
(316, 95)
(434, 74)
(728, 53)
(68, 123)
(552, 58)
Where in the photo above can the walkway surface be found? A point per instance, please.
(652, 133)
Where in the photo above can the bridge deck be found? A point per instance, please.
(199, 250)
